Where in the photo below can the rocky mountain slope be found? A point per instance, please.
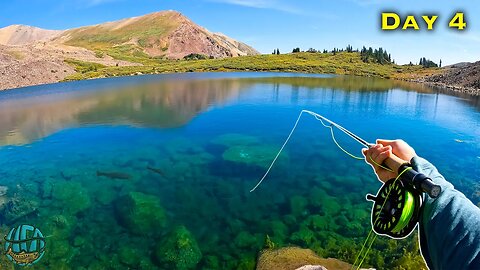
(464, 77)
(24, 34)
(31, 56)
(160, 34)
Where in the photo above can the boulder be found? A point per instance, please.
(244, 240)
(178, 250)
(72, 197)
(17, 208)
(298, 206)
(140, 213)
(3, 190)
(257, 155)
(294, 258)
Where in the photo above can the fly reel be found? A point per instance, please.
(396, 209)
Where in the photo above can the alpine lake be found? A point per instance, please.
(155, 172)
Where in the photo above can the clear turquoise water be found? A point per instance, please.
(197, 143)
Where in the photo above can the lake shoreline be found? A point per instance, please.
(446, 88)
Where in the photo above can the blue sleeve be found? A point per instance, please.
(449, 225)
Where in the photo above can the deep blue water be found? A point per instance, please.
(194, 131)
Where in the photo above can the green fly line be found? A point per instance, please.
(317, 117)
(367, 245)
(405, 213)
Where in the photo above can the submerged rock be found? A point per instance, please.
(59, 227)
(279, 230)
(298, 206)
(6, 264)
(130, 257)
(319, 223)
(3, 197)
(3, 190)
(105, 194)
(245, 240)
(46, 189)
(304, 236)
(327, 204)
(246, 263)
(78, 241)
(140, 213)
(258, 155)
(59, 249)
(71, 196)
(211, 262)
(17, 208)
(179, 250)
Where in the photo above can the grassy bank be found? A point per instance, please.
(340, 63)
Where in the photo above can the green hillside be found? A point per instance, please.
(339, 63)
(127, 39)
(145, 30)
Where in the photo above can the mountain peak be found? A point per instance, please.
(19, 34)
(167, 34)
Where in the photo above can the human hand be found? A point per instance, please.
(384, 149)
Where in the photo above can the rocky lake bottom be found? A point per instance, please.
(159, 178)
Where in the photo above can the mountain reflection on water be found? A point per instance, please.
(162, 103)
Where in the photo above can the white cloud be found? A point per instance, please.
(263, 4)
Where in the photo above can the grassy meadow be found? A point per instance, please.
(348, 63)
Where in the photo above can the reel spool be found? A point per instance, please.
(396, 209)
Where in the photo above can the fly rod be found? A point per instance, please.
(394, 163)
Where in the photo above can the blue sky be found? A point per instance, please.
(268, 24)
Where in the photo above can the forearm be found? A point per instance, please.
(449, 225)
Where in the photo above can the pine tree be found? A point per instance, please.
(440, 63)
(278, 51)
(427, 63)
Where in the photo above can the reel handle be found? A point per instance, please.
(419, 180)
(430, 188)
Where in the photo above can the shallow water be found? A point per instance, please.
(197, 143)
